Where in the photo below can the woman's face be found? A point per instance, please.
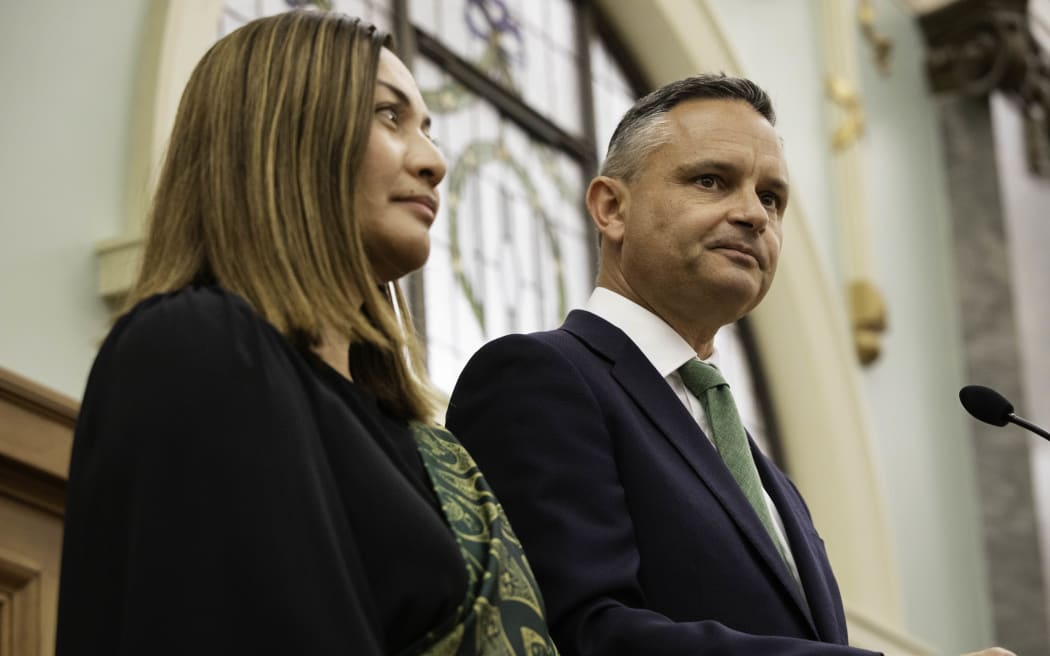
(397, 198)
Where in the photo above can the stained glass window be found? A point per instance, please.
(527, 46)
(510, 249)
(524, 103)
(613, 93)
(513, 250)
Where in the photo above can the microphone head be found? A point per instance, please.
(986, 404)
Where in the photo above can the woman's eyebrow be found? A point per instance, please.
(402, 98)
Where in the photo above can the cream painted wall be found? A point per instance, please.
(924, 435)
(66, 71)
(921, 439)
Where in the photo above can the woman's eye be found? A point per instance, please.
(389, 113)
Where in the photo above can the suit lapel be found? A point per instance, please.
(654, 397)
(810, 558)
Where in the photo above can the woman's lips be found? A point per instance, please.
(423, 206)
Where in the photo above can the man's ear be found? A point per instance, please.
(607, 202)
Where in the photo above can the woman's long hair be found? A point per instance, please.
(257, 195)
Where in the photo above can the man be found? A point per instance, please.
(653, 524)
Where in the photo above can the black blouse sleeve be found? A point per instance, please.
(198, 521)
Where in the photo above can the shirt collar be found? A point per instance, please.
(657, 340)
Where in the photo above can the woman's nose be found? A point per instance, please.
(427, 161)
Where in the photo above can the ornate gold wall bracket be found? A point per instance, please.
(844, 96)
(867, 311)
(881, 45)
(843, 47)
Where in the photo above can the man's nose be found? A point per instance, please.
(749, 212)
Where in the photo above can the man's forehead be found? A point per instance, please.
(727, 141)
(720, 113)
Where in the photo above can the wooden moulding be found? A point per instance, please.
(20, 607)
(36, 437)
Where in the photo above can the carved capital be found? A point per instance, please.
(976, 46)
(979, 46)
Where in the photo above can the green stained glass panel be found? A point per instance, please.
(528, 46)
(612, 94)
(510, 248)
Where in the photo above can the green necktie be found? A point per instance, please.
(705, 382)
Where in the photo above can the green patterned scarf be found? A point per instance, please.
(503, 612)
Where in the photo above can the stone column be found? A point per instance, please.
(992, 358)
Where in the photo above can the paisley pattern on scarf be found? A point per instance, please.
(503, 612)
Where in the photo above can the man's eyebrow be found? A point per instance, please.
(402, 99)
(716, 165)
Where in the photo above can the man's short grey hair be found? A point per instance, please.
(645, 127)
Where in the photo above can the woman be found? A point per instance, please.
(255, 467)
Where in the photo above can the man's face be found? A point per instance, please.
(702, 220)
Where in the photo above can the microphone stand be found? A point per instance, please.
(1024, 423)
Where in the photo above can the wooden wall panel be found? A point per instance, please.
(36, 434)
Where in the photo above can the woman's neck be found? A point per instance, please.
(334, 350)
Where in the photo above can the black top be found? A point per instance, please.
(229, 493)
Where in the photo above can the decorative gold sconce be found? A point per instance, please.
(845, 96)
(881, 44)
(867, 311)
(841, 45)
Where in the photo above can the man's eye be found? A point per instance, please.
(771, 201)
(707, 181)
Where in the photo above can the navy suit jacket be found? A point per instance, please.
(640, 538)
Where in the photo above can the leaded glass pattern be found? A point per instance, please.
(528, 46)
(509, 250)
(612, 93)
(238, 12)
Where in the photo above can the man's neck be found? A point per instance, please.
(695, 330)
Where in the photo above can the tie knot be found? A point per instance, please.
(700, 377)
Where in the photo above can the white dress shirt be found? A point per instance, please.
(667, 351)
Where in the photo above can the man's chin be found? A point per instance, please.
(743, 292)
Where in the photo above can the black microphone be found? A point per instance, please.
(991, 407)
